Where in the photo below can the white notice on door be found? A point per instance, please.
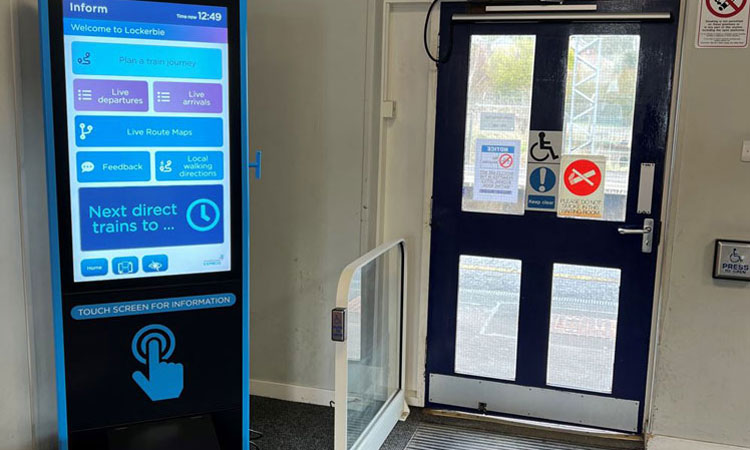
(496, 170)
(723, 24)
(492, 121)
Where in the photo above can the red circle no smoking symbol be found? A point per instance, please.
(726, 8)
(505, 161)
(583, 177)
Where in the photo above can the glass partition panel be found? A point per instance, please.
(374, 340)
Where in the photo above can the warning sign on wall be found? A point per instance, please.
(723, 24)
(582, 187)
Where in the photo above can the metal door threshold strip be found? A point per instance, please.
(440, 437)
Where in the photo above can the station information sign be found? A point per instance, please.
(147, 105)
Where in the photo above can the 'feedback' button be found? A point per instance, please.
(109, 167)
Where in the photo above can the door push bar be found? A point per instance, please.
(647, 232)
(545, 17)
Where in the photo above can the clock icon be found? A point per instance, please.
(203, 215)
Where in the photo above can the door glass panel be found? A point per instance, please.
(498, 113)
(583, 327)
(489, 292)
(600, 108)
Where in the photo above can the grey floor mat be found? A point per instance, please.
(442, 437)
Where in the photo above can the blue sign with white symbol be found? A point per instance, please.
(543, 179)
(541, 194)
(154, 345)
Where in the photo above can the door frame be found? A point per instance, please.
(671, 159)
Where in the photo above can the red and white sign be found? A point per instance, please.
(726, 8)
(506, 161)
(582, 188)
(583, 177)
(723, 24)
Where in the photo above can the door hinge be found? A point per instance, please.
(432, 201)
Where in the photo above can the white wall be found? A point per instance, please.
(307, 84)
(703, 359)
(406, 174)
(670, 443)
(15, 412)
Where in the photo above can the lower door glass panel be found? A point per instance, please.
(487, 321)
(583, 327)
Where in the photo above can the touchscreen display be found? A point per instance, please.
(148, 138)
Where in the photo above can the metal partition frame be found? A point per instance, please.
(395, 407)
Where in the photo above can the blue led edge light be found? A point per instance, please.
(245, 231)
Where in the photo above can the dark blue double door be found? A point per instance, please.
(548, 314)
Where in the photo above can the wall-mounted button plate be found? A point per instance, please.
(732, 260)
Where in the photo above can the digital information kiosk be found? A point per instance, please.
(145, 119)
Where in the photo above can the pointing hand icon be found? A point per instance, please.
(165, 380)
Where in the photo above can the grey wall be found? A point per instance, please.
(15, 387)
(703, 360)
(35, 226)
(307, 80)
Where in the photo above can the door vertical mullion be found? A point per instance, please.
(447, 191)
(550, 71)
(547, 111)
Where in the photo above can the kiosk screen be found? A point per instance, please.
(146, 87)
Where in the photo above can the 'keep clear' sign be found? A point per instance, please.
(496, 170)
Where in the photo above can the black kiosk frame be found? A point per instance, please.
(151, 350)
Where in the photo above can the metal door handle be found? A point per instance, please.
(647, 232)
(627, 231)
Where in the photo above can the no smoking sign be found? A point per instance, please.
(583, 177)
(726, 8)
(506, 161)
(582, 187)
(723, 24)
